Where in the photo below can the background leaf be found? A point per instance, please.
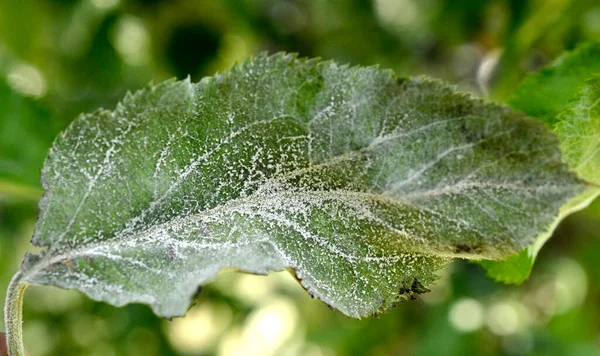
(361, 182)
(546, 93)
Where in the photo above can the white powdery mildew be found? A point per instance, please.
(361, 182)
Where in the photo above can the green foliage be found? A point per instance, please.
(578, 129)
(546, 95)
(20, 164)
(361, 182)
(515, 269)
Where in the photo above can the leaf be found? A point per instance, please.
(517, 268)
(363, 183)
(546, 93)
(23, 145)
(577, 125)
(578, 128)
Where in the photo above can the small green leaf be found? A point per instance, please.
(513, 270)
(363, 183)
(546, 93)
(560, 94)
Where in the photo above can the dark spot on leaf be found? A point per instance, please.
(467, 249)
(415, 289)
(471, 135)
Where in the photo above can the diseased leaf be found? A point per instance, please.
(363, 183)
(546, 93)
(577, 125)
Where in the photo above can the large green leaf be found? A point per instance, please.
(363, 183)
(559, 94)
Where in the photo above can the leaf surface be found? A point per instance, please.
(565, 94)
(578, 129)
(363, 183)
(545, 94)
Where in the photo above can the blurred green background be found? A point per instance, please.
(59, 58)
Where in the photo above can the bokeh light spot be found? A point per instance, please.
(200, 329)
(27, 79)
(266, 330)
(466, 315)
(571, 285)
(502, 319)
(106, 4)
(396, 12)
(131, 40)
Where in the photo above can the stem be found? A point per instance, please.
(13, 316)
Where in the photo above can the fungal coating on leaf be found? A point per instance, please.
(363, 183)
